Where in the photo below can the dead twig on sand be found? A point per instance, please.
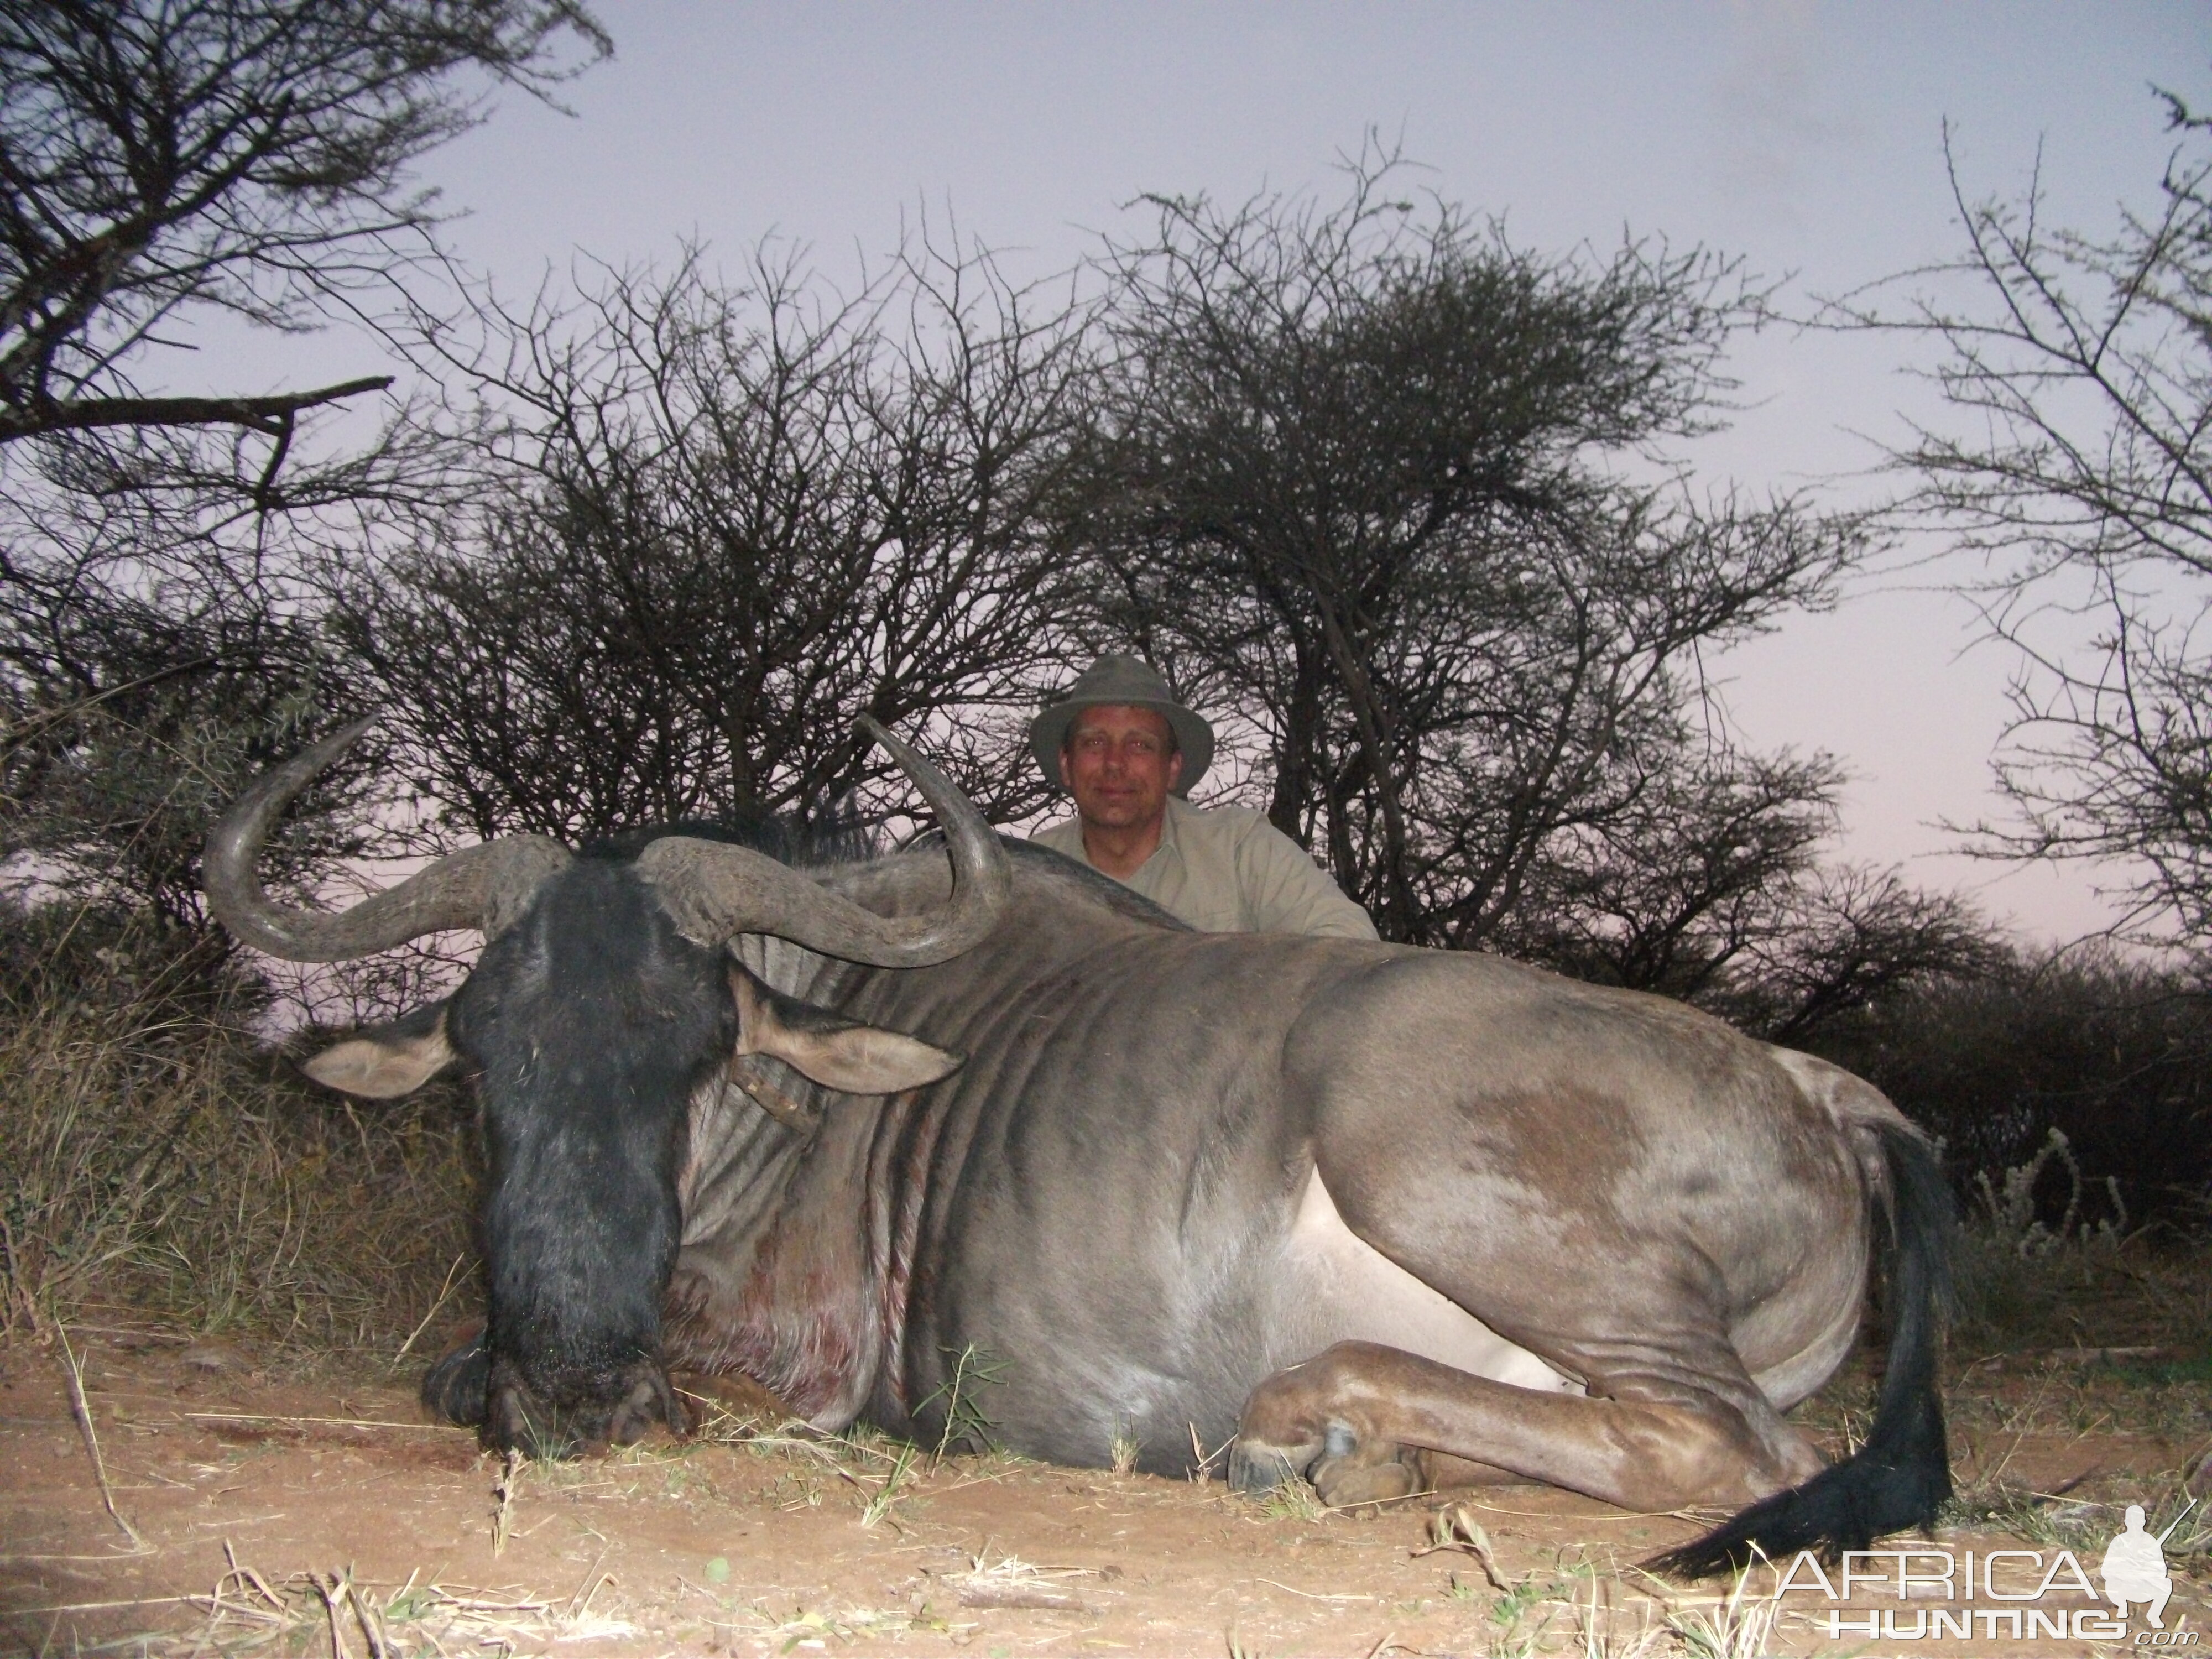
(317, 1422)
(1312, 1595)
(502, 1518)
(1014, 1583)
(331, 1594)
(341, 1590)
(1456, 1528)
(73, 1376)
(444, 1291)
(1202, 1460)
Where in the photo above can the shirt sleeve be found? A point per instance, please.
(1285, 891)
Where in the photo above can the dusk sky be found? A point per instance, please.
(1808, 138)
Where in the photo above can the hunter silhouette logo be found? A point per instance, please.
(2135, 1567)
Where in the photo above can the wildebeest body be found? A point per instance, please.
(1103, 1200)
(1360, 1206)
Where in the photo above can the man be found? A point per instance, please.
(1128, 752)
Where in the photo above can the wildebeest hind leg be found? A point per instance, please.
(1349, 1414)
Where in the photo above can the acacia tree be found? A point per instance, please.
(1679, 890)
(2083, 476)
(727, 522)
(153, 707)
(1383, 485)
(245, 156)
(165, 164)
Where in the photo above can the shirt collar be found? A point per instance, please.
(1179, 810)
(1168, 850)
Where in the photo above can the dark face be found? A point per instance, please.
(1120, 762)
(590, 1024)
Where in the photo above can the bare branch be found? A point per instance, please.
(2082, 476)
(272, 415)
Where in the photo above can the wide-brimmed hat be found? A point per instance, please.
(1118, 679)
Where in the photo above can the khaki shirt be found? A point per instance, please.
(1230, 870)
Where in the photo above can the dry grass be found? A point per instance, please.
(157, 1167)
(2092, 1292)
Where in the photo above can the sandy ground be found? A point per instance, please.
(318, 1514)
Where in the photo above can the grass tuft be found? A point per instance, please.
(1739, 1628)
(159, 1165)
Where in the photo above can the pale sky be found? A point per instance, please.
(1806, 137)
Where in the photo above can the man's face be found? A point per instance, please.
(1119, 764)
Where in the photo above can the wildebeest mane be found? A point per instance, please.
(804, 842)
(837, 837)
(1081, 880)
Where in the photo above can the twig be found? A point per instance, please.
(367, 1620)
(73, 1374)
(444, 1291)
(1389, 1640)
(1455, 1528)
(270, 415)
(599, 1582)
(251, 1576)
(330, 1594)
(503, 1520)
(981, 1590)
(334, 1422)
(590, 1587)
(103, 1607)
(1206, 1460)
(1609, 1514)
(1313, 1595)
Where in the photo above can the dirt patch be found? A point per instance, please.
(300, 1513)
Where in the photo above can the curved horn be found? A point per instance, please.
(484, 886)
(715, 891)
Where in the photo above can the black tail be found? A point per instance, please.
(1901, 1475)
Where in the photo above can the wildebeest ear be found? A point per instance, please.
(827, 1047)
(389, 1061)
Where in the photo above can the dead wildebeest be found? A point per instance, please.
(1370, 1209)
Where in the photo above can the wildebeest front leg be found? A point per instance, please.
(1355, 1416)
(454, 1387)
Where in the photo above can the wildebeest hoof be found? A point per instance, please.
(1360, 1477)
(453, 1389)
(1255, 1465)
(515, 1421)
(649, 1401)
(581, 1417)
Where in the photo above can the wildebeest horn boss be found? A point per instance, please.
(1386, 1215)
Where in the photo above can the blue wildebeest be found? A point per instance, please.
(1381, 1213)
